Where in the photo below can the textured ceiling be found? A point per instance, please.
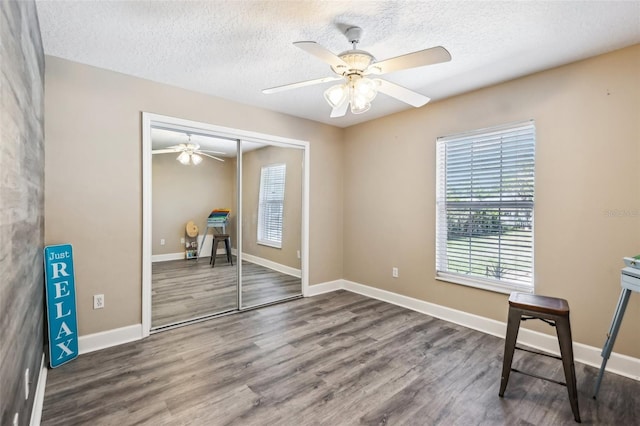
(233, 49)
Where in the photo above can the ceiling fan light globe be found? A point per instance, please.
(366, 88)
(336, 95)
(196, 159)
(359, 104)
(183, 158)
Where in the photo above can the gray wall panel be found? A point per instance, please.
(21, 207)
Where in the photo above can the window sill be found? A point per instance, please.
(483, 284)
(270, 244)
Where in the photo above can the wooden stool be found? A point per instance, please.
(218, 238)
(555, 312)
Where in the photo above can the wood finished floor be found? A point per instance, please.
(334, 359)
(186, 289)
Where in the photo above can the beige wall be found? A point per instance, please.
(587, 119)
(93, 175)
(588, 149)
(252, 163)
(183, 193)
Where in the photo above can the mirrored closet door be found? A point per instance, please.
(224, 221)
(272, 190)
(193, 204)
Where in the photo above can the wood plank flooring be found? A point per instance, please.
(334, 359)
(186, 289)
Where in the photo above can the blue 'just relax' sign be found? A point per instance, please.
(61, 304)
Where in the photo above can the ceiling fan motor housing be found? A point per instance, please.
(358, 61)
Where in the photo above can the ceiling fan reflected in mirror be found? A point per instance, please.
(189, 153)
(358, 70)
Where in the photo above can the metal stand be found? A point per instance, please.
(630, 281)
(222, 226)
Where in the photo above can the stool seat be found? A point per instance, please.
(541, 304)
(555, 312)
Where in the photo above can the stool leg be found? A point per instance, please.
(513, 326)
(227, 247)
(214, 252)
(213, 240)
(563, 328)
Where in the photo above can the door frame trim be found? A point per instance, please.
(151, 119)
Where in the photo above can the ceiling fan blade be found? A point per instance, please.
(340, 110)
(210, 156)
(211, 152)
(434, 55)
(164, 151)
(300, 84)
(405, 95)
(313, 48)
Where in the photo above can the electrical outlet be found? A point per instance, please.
(394, 272)
(26, 384)
(98, 301)
(162, 241)
(182, 240)
(298, 254)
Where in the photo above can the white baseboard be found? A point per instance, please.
(180, 256)
(619, 364)
(38, 400)
(316, 289)
(166, 257)
(272, 265)
(106, 339)
(476, 322)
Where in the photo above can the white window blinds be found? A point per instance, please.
(485, 198)
(271, 205)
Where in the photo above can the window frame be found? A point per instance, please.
(442, 220)
(262, 232)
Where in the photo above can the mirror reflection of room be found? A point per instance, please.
(192, 175)
(195, 225)
(272, 178)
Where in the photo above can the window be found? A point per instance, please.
(484, 202)
(271, 205)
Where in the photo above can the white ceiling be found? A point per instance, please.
(234, 49)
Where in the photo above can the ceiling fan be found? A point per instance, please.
(190, 152)
(356, 68)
